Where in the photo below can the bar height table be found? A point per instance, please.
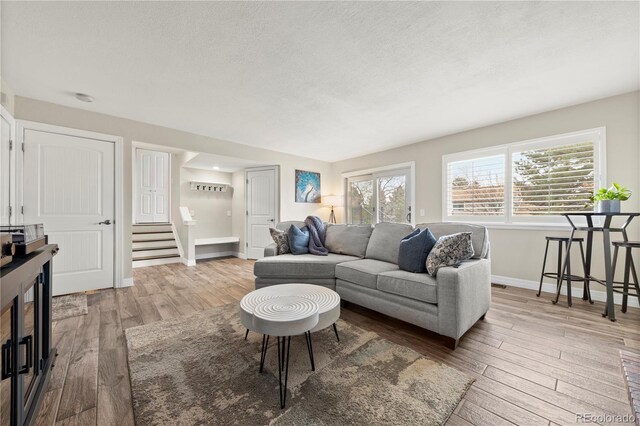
(606, 228)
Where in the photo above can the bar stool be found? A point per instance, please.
(629, 269)
(558, 275)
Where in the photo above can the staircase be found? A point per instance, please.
(154, 244)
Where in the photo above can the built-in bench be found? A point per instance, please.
(216, 240)
(190, 255)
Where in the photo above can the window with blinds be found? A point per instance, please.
(532, 181)
(552, 181)
(476, 187)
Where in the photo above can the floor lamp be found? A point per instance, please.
(333, 201)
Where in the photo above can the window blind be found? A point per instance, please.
(553, 180)
(475, 187)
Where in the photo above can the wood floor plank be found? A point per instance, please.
(503, 408)
(477, 415)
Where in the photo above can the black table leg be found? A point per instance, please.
(246, 334)
(335, 330)
(263, 354)
(610, 309)
(586, 289)
(586, 292)
(283, 364)
(307, 336)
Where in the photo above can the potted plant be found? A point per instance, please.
(608, 199)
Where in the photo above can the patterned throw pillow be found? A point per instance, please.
(281, 239)
(450, 250)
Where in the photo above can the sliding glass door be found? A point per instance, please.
(379, 197)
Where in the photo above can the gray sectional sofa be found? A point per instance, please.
(362, 268)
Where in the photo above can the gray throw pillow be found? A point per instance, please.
(281, 239)
(450, 250)
(414, 249)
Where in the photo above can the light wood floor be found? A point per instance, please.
(534, 362)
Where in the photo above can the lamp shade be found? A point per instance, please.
(333, 200)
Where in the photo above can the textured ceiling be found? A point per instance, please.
(223, 163)
(327, 80)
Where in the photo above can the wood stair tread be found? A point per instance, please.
(152, 232)
(155, 248)
(155, 241)
(160, 256)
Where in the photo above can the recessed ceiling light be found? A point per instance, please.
(84, 97)
(216, 168)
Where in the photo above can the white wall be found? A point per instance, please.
(129, 130)
(518, 253)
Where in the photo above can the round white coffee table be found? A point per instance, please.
(287, 310)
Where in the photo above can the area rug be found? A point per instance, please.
(71, 305)
(200, 370)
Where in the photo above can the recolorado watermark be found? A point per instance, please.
(604, 418)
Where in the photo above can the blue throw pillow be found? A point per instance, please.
(414, 249)
(298, 240)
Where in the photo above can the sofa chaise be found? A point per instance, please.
(362, 268)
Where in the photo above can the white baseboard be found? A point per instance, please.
(188, 262)
(240, 255)
(576, 291)
(214, 255)
(126, 282)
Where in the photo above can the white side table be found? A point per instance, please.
(328, 303)
(287, 310)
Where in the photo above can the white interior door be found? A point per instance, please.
(69, 187)
(152, 186)
(261, 210)
(5, 170)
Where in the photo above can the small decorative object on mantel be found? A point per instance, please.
(209, 186)
(307, 187)
(608, 199)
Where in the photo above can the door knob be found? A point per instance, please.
(105, 222)
(271, 220)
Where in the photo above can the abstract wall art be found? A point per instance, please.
(307, 187)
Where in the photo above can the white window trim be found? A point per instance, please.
(381, 171)
(508, 221)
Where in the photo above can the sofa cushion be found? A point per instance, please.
(421, 287)
(384, 243)
(414, 249)
(298, 239)
(363, 272)
(347, 239)
(479, 235)
(299, 266)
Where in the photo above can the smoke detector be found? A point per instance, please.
(83, 97)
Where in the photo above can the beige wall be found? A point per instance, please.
(518, 253)
(129, 130)
(8, 97)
